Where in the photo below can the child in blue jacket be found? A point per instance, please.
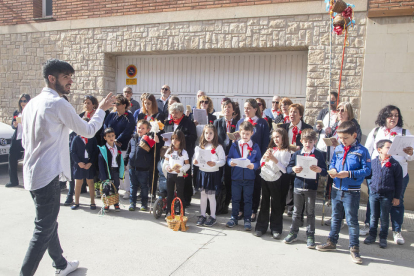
(243, 178)
(111, 164)
(385, 191)
(304, 188)
(350, 164)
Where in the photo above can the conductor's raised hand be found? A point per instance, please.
(107, 102)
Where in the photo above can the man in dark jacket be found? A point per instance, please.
(163, 101)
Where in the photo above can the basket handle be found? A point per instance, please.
(181, 208)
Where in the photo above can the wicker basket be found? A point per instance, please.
(339, 6)
(177, 222)
(339, 20)
(111, 199)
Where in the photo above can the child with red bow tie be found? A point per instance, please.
(305, 188)
(208, 177)
(385, 191)
(275, 184)
(84, 153)
(243, 177)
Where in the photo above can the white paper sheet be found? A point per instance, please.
(168, 136)
(306, 162)
(400, 143)
(200, 115)
(241, 162)
(203, 157)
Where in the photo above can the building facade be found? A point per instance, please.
(236, 48)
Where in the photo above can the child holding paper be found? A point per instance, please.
(385, 191)
(350, 164)
(177, 164)
(305, 189)
(275, 184)
(243, 178)
(209, 177)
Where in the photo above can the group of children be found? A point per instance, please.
(349, 166)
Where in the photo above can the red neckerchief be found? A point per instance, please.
(387, 131)
(251, 121)
(346, 150)
(286, 119)
(89, 114)
(275, 148)
(228, 125)
(310, 154)
(384, 161)
(242, 147)
(85, 140)
(112, 150)
(295, 132)
(177, 122)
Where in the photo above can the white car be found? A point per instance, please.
(6, 133)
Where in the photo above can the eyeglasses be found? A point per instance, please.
(117, 104)
(341, 110)
(23, 101)
(203, 102)
(275, 102)
(259, 104)
(393, 116)
(166, 89)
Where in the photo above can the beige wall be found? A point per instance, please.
(389, 76)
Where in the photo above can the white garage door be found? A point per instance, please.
(236, 75)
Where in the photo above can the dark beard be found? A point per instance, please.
(60, 89)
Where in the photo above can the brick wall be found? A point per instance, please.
(25, 11)
(379, 8)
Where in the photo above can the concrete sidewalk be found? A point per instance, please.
(135, 243)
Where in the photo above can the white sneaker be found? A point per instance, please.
(72, 266)
(126, 195)
(364, 230)
(398, 238)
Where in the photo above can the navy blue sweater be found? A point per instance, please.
(261, 134)
(238, 173)
(386, 180)
(302, 183)
(123, 125)
(139, 158)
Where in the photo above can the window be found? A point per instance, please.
(47, 8)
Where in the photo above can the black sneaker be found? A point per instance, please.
(210, 221)
(383, 243)
(201, 220)
(369, 240)
(9, 185)
(68, 201)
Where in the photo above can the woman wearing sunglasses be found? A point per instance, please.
(389, 125)
(203, 102)
(16, 149)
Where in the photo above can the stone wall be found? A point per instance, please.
(93, 53)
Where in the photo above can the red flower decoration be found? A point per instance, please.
(170, 122)
(262, 165)
(251, 121)
(265, 118)
(213, 151)
(211, 122)
(233, 126)
(312, 155)
(393, 134)
(185, 175)
(388, 164)
(339, 29)
(132, 105)
(249, 149)
(347, 12)
(126, 113)
(14, 117)
(300, 131)
(278, 112)
(119, 152)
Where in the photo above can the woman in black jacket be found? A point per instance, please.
(16, 150)
(183, 123)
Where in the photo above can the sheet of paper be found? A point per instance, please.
(200, 115)
(306, 162)
(168, 136)
(203, 157)
(19, 120)
(400, 143)
(241, 162)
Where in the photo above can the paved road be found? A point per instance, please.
(135, 243)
